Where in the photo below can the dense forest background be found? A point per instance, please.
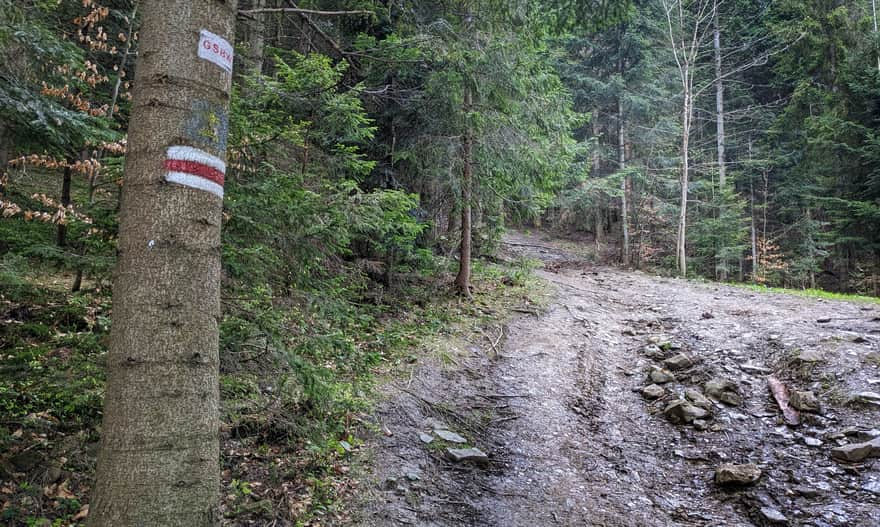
(734, 140)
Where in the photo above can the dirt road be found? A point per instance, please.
(572, 441)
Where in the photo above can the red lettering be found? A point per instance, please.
(206, 44)
(216, 48)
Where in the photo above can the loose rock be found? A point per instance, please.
(810, 356)
(678, 362)
(723, 390)
(653, 391)
(737, 474)
(855, 452)
(807, 492)
(661, 376)
(812, 441)
(460, 455)
(698, 399)
(805, 401)
(772, 515)
(681, 411)
(426, 438)
(452, 437)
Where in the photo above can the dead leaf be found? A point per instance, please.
(81, 515)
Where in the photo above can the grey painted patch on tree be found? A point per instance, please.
(208, 126)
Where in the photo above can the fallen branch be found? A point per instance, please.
(303, 11)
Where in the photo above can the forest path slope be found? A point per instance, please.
(572, 441)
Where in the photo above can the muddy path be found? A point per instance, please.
(556, 402)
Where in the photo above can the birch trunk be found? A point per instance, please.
(159, 457)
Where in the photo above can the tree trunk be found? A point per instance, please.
(874, 16)
(719, 101)
(755, 263)
(256, 39)
(621, 152)
(463, 280)
(123, 62)
(4, 156)
(61, 229)
(159, 457)
(681, 242)
(596, 166)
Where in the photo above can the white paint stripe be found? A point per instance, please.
(192, 181)
(188, 153)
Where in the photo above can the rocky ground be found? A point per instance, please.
(640, 401)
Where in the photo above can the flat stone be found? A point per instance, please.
(811, 356)
(654, 352)
(868, 397)
(807, 492)
(730, 474)
(460, 455)
(812, 441)
(805, 401)
(872, 486)
(772, 515)
(697, 398)
(701, 424)
(681, 412)
(754, 368)
(723, 390)
(426, 438)
(678, 362)
(855, 452)
(661, 376)
(452, 437)
(653, 391)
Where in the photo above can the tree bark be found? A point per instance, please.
(463, 280)
(624, 184)
(159, 457)
(874, 17)
(4, 156)
(256, 38)
(66, 181)
(681, 242)
(719, 100)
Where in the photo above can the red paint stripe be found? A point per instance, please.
(196, 169)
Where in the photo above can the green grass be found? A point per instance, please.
(811, 293)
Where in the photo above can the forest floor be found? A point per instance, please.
(555, 400)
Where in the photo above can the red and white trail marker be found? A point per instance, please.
(195, 168)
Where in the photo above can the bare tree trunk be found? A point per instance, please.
(681, 242)
(596, 161)
(4, 156)
(256, 39)
(874, 16)
(719, 100)
(755, 263)
(159, 457)
(123, 62)
(463, 280)
(621, 152)
(66, 181)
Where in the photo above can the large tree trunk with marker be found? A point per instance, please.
(159, 457)
(463, 280)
